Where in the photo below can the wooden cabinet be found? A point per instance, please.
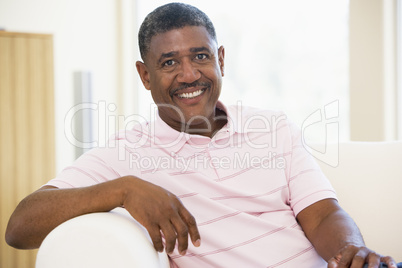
(27, 158)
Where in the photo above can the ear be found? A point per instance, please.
(144, 74)
(221, 59)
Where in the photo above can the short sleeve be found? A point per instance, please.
(89, 169)
(307, 183)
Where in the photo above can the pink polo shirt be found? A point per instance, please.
(244, 186)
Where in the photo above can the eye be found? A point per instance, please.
(169, 63)
(201, 56)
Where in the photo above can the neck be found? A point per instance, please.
(204, 127)
(208, 128)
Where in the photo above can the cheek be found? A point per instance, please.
(160, 87)
(218, 81)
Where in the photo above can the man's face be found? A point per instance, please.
(184, 69)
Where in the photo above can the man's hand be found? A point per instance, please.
(155, 208)
(354, 256)
(158, 210)
(336, 237)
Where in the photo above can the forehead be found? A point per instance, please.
(181, 40)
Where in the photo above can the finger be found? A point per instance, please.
(155, 234)
(191, 225)
(170, 236)
(373, 260)
(389, 261)
(345, 256)
(332, 263)
(182, 235)
(359, 259)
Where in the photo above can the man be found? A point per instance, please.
(237, 177)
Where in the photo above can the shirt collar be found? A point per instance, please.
(174, 140)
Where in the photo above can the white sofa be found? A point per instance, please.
(367, 177)
(368, 181)
(101, 240)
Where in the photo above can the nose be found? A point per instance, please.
(188, 73)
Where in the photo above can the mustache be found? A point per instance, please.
(187, 85)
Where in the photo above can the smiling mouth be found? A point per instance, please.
(186, 91)
(191, 95)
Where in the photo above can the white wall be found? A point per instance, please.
(373, 70)
(84, 40)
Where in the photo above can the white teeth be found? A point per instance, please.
(191, 94)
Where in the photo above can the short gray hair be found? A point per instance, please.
(169, 17)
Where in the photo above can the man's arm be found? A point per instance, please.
(336, 237)
(155, 208)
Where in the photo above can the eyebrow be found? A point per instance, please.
(173, 53)
(167, 55)
(200, 49)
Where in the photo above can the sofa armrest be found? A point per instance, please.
(108, 239)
